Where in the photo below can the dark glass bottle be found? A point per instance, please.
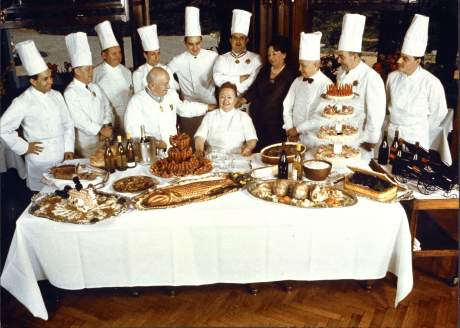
(394, 147)
(108, 157)
(383, 150)
(121, 155)
(397, 162)
(283, 166)
(130, 153)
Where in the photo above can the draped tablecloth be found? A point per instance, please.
(232, 239)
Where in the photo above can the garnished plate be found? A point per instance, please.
(135, 183)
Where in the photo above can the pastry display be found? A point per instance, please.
(134, 183)
(339, 91)
(180, 161)
(347, 155)
(301, 194)
(68, 171)
(347, 133)
(338, 111)
(271, 154)
(190, 191)
(370, 184)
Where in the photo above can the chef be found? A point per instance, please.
(88, 105)
(368, 84)
(42, 112)
(238, 66)
(193, 67)
(157, 106)
(151, 45)
(416, 98)
(303, 97)
(113, 77)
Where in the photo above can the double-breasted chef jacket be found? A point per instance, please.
(158, 114)
(116, 82)
(417, 104)
(229, 68)
(44, 118)
(371, 98)
(90, 110)
(140, 77)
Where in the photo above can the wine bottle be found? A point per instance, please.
(283, 165)
(297, 165)
(397, 162)
(383, 150)
(108, 157)
(394, 147)
(130, 153)
(143, 138)
(121, 155)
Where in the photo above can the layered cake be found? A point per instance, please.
(339, 92)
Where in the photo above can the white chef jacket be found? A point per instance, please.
(372, 98)
(158, 117)
(302, 101)
(44, 117)
(116, 82)
(195, 75)
(227, 131)
(140, 77)
(417, 104)
(90, 109)
(227, 70)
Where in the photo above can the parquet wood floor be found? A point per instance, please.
(344, 303)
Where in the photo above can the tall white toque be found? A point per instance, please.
(149, 37)
(78, 49)
(241, 20)
(105, 34)
(416, 38)
(192, 21)
(31, 59)
(351, 38)
(310, 44)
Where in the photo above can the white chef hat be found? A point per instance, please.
(105, 34)
(78, 48)
(31, 59)
(310, 46)
(149, 37)
(192, 21)
(352, 32)
(241, 20)
(416, 38)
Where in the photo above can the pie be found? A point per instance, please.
(134, 183)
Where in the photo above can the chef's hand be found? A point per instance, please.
(211, 107)
(292, 135)
(68, 155)
(240, 101)
(244, 78)
(34, 148)
(246, 151)
(368, 146)
(106, 131)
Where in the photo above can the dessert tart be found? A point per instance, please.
(338, 111)
(339, 92)
(348, 155)
(348, 133)
(135, 183)
(370, 184)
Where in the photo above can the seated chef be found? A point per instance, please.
(227, 129)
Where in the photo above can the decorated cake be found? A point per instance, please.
(340, 156)
(341, 132)
(339, 91)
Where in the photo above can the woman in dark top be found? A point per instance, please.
(267, 93)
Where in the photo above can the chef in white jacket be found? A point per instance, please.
(369, 84)
(42, 112)
(113, 77)
(157, 106)
(304, 95)
(88, 105)
(416, 98)
(194, 67)
(152, 54)
(238, 66)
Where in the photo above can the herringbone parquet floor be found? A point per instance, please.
(432, 303)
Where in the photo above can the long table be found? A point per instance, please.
(232, 239)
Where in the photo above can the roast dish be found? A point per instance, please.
(67, 172)
(134, 183)
(370, 184)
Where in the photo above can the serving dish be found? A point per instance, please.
(271, 154)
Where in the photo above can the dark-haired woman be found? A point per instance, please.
(267, 93)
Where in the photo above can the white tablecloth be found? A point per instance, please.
(232, 239)
(8, 159)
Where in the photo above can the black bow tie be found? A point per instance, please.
(308, 79)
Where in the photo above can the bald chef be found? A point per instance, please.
(304, 95)
(152, 55)
(42, 112)
(113, 77)
(416, 98)
(156, 107)
(88, 105)
(194, 69)
(368, 83)
(238, 66)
